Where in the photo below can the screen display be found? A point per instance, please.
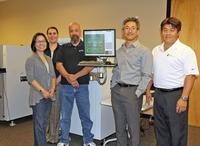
(100, 42)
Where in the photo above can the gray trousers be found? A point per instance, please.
(126, 108)
(54, 119)
(171, 128)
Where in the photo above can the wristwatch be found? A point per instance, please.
(185, 98)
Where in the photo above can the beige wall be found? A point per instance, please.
(20, 19)
(188, 11)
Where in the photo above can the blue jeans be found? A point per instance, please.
(67, 96)
(40, 119)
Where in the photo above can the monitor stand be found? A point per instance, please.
(104, 60)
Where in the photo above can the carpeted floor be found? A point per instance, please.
(22, 135)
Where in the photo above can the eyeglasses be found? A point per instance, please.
(130, 28)
(40, 42)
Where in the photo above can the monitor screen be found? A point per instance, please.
(100, 42)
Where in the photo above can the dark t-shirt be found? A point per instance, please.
(70, 56)
(48, 53)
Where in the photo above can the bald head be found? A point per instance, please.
(74, 32)
(74, 24)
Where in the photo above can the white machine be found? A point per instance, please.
(14, 89)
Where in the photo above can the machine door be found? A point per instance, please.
(1, 96)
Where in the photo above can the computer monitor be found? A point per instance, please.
(100, 42)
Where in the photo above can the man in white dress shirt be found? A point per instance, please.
(174, 72)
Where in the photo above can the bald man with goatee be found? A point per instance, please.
(74, 86)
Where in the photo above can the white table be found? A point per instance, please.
(107, 102)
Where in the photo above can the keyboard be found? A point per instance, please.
(91, 63)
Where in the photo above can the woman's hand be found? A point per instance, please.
(46, 94)
(51, 92)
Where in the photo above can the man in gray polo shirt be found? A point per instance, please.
(129, 81)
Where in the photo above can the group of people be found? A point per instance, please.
(56, 81)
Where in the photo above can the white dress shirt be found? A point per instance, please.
(170, 67)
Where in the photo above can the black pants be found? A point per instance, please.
(171, 128)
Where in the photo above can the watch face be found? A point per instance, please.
(185, 98)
